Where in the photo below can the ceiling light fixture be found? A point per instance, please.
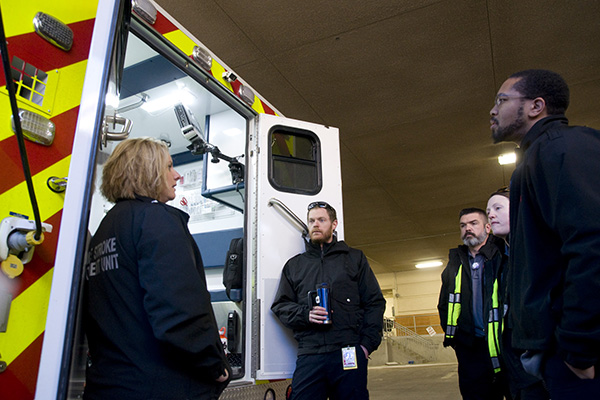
(231, 132)
(507, 158)
(429, 264)
(181, 95)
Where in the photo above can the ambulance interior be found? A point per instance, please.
(152, 85)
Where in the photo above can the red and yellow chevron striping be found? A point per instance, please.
(186, 44)
(20, 345)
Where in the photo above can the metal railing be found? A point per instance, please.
(410, 340)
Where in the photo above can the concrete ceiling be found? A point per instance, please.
(410, 85)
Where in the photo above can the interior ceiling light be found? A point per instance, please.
(231, 132)
(429, 264)
(181, 95)
(507, 158)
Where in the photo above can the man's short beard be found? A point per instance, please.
(474, 241)
(322, 239)
(508, 133)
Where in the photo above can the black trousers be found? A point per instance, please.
(321, 376)
(476, 377)
(523, 386)
(563, 384)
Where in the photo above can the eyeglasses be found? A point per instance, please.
(503, 98)
(320, 204)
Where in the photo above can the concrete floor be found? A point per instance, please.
(421, 381)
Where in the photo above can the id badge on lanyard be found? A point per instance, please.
(349, 358)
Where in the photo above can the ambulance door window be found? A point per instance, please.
(295, 161)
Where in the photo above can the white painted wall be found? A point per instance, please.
(414, 292)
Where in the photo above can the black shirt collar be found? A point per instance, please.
(540, 127)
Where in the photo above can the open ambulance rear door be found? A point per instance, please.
(249, 175)
(298, 163)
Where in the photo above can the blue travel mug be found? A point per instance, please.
(323, 300)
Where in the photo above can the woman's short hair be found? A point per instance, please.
(136, 166)
(503, 191)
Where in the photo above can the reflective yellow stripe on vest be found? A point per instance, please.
(454, 305)
(493, 332)
(494, 320)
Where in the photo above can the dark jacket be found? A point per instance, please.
(492, 269)
(148, 318)
(356, 300)
(554, 280)
(519, 379)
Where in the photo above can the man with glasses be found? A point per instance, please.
(554, 279)
(333, 347)
(468, 297)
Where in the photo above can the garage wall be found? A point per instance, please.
(411, 293)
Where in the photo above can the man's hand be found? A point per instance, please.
(588, 373)
(365, 351)
(223, 378)
(317, 315)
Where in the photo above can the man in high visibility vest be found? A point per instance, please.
(469, 308)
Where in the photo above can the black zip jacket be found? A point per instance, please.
(554, 280)
(148, 318)
(493, 265)
(356, 300)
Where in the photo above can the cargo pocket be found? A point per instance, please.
(346, 306)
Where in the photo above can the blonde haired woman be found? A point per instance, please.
(149, 322)
(523, 386)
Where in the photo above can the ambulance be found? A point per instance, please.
(80, 76)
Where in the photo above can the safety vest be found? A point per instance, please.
(494, 320)
(494, 326)
(454, 306)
